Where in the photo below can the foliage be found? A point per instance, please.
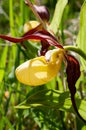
(46, 107)
(81, 36)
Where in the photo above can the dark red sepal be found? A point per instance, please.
(37, 33)
(73, 73)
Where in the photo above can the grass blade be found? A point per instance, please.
(3, 63)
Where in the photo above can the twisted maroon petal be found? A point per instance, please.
(37, 33)
(73, 73)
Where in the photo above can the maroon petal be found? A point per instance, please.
(32, 31)
(73, 73)
(43, 35)
(36, 34)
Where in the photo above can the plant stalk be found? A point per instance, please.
(77, 50)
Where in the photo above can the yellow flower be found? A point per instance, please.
(30, 25)
(40, 70)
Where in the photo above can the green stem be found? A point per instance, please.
(77, 50)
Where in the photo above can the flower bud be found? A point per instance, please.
(43, 12)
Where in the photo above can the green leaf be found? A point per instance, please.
(60, 6)
(84, 127)
(3, 62)
(81, 40)
(48, 98)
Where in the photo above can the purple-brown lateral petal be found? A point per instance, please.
(32, 31)
(45, 37)
(73, 73)
(35, 34)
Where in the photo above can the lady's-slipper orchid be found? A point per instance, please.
(36, 66)
(42, 69)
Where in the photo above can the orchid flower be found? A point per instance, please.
(42, 69)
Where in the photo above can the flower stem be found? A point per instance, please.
(76, 49)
